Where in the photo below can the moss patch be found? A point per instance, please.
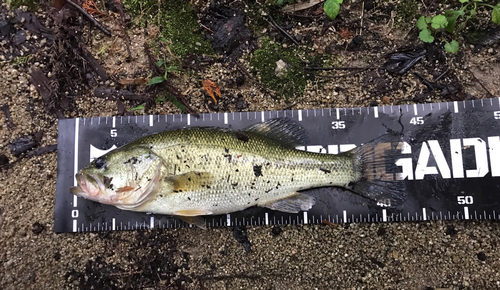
(293, 78)
(406, 13)
(31, 4)
(177, 22)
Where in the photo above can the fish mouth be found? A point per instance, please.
(89, 186)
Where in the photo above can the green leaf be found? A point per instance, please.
(177, 103)
(156, 80)
(425, 35)
(280, 2)
(439, 21)
(421, 24)
(160, 99)
(495, 14)
(463, 1)
(160, 62)
(140, 107)
(332, 8)
(451, 46)
(452, 16)
(428, 19)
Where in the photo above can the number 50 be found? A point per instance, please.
(468, 199)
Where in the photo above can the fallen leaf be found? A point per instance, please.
(326, 222)
(136, 81)
(345, 33)
(211, 87)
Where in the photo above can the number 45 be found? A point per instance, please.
(417, 120)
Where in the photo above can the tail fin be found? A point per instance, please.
(375, 161)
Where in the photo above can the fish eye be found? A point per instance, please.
(100, 163)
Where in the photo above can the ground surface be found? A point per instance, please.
(426, 255)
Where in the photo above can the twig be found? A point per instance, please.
(442, 75)
(428, 84)
(362, 14)
(339, 68)
(119, 7)
(6, 110)
(482, 85)
(282, 30)
(89, 17)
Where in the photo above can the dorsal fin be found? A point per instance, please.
(282, 130)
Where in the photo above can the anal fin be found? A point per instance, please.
(194, 220)
(292, 204)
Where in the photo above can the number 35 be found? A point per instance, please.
(336, 125)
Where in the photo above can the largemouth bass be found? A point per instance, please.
(194, 172)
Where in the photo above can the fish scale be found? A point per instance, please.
(439, 185)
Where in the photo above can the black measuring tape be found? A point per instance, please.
(450, 159)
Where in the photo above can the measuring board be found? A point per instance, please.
(450, 160)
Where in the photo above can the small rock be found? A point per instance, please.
(358, 40)
(386, 100)
(276, 230)
(281, 68)
(38, 228)
(395, 255)
(481, 256)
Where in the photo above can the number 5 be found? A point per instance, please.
(113, 133)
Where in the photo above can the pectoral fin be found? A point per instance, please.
(189, 181)
(293, 204)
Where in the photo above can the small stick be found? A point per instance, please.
(362, 14)
(6, 110)
(442, 75)
(89, 17)
(337, 68)
(283, 31)
(119, 7)
(482, 85)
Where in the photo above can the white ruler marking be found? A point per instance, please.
(262, 118)
(75, 227)
(344, 213)
(466, 212)
(424, 214)
(305, 217)
(300, 115)
(114, 122)
(75, 159)
(152, 222)
(455, 106)
(415, 109)
(384, 215)
(375, 111)
(113, 224)
(338, 113)
(188, 119)
(228, 219)
(267, 218)
(151, 120)
(225, 118)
